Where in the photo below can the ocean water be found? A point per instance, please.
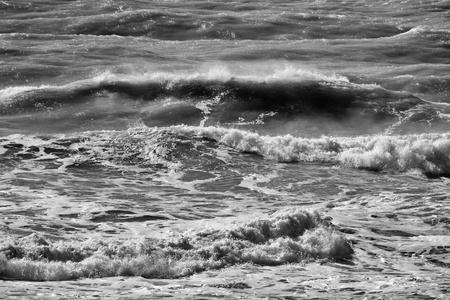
(225, 149)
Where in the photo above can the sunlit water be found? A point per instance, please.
(237, 149)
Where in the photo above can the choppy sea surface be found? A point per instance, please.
(225, 149)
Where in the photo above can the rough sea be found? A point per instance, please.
(241, 149)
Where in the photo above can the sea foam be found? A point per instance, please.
(287, 236)
(428, 153)
(173, 147)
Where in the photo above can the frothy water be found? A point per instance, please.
(194, 149)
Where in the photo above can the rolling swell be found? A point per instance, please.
(184, 24)
(219, 99)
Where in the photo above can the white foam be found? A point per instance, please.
(10, 92)
(270, 73)
(429, 153)
(251, 182)
(287, 236)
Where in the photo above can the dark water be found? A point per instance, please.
(232, 149)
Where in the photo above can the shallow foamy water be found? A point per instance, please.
(80, 197)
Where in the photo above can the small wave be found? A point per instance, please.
(287, 236)
(12, 92)
(408, 33)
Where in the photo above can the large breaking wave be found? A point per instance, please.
(219, 97)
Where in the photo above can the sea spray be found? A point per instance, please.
(428, 153)
(287, 236)
(171, 147)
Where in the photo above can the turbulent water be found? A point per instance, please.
(228, 149)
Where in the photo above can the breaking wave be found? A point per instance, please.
(428, 153)
(287, 236)
(177, 146)
(213, 98)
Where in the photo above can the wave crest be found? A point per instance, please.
(428, 153)
(180, 147)
(295, 236)
(214, 97)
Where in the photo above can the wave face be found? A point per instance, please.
(235, 149)
(291, 100)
